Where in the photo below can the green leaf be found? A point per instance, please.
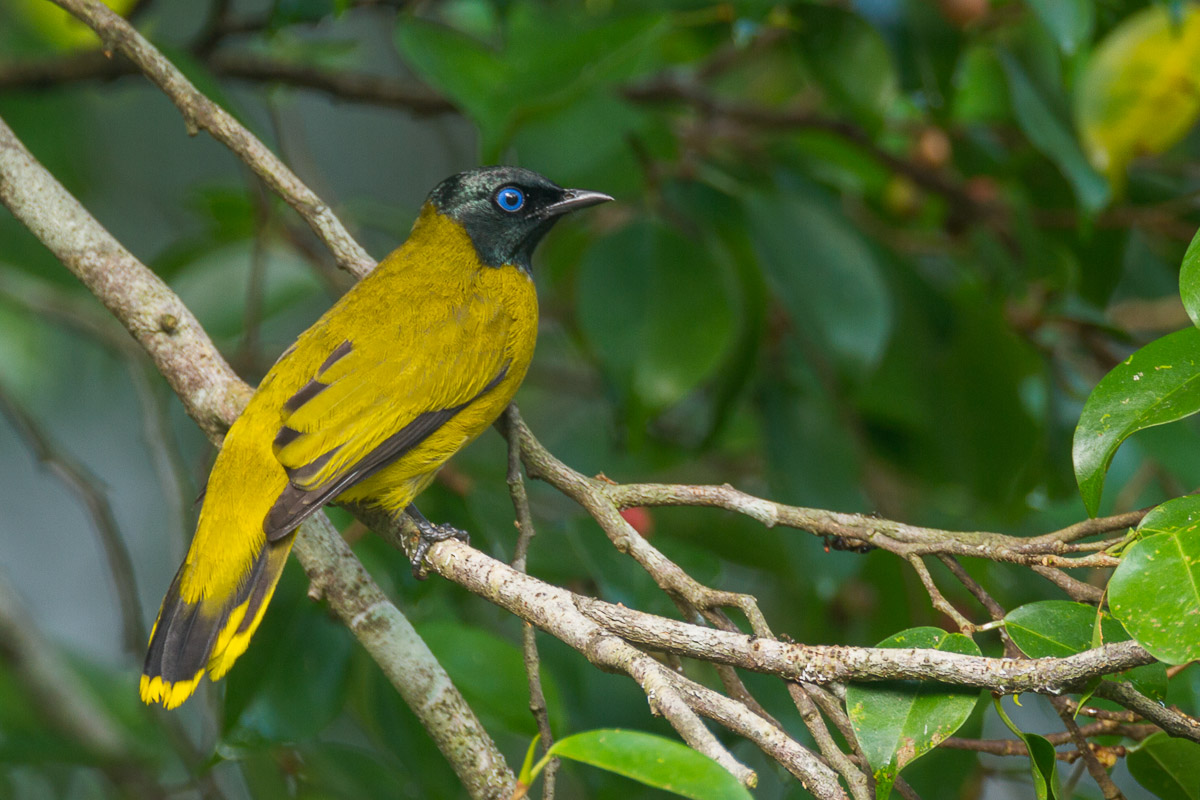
(1068, 21)
(1189, 279)
(500, 88)
(1053, 138)
(1043, 766)
(526, 774)
(1060, 628)
(1159, 383)
(899, 721)
(640, 294)
(1168, 767)
(1051, 628)
(1155, 590)
(830, 38)
(981, 92)
(828, 278)
(333, 769)
(465, 69)
(1138, 95)
(290, 12)
(654, 761)
(1042, 762)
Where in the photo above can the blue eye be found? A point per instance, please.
(510, 198)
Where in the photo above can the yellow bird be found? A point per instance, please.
(408, 367)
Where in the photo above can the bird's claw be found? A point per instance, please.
(428, 535)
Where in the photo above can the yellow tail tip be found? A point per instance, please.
(171, 695)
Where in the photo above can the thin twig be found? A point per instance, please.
(85, 486)
(1075, 588)
(834, 664)
(1169, 718)
(1094, 767)
(537, 697)
(899, 538)
(939, 600)
(1016, 747)
(861, 787)
(353, 87)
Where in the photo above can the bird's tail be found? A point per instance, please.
(209, 634)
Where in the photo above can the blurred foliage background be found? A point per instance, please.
(868, 255)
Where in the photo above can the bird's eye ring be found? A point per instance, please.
(510, 199)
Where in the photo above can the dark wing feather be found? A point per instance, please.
(295, 504)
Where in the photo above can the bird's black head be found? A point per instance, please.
(507, 210)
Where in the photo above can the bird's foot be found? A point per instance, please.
(429, 535)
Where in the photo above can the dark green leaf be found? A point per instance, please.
(289, 12)
(1060, 628)
(465, 69)
(1048, 628)
(501, 88)
(828, 278)
(981, 89)
(1169, 768)
(641, 293)
(829, 39)
(1068, 21)
(1159, 383)
(1154, 589)
(898, 722)
(1053, 138)
(1043, 764)
(1189, 279)
(654, 761)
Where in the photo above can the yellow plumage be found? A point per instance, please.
(410, 365)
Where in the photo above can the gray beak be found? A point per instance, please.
(574, 199)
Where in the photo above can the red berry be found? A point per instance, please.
(640, 519)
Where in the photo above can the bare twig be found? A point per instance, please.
(82, 315)
(1169, 718)
(557, 611)
(1016, 747)
(1075, 588)
(994, 609)
(404, 657)
(340, 85)
(896, 537)
(834, 664)
(354, 87)
(671, 89)
(939, 600)
(856, 779)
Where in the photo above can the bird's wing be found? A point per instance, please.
(372, 401)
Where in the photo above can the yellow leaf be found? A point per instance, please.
(1140, 92)
(60, 29)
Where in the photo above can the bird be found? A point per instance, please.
(410, 365)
